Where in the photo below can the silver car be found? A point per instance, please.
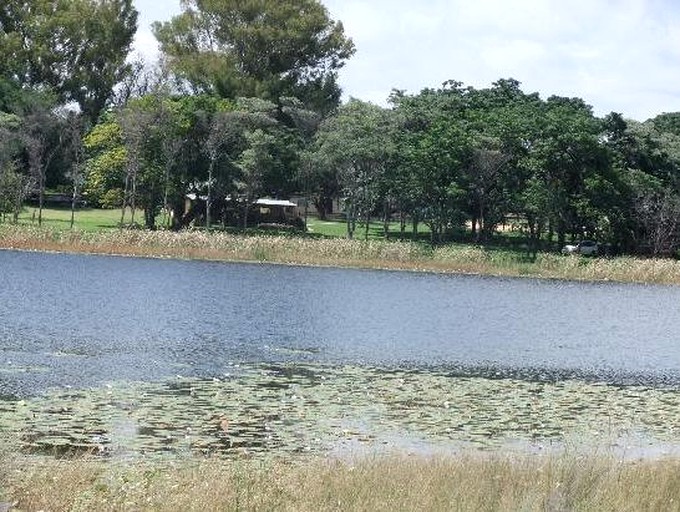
(584, 247)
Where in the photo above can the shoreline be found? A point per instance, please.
(340, 253)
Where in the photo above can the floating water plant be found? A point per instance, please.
(277, 410)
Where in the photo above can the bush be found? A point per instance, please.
(112, 198)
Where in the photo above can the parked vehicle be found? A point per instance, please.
(584, 247)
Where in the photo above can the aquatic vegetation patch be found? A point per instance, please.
(282, 410)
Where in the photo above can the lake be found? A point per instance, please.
(180, 328)
(80, 320)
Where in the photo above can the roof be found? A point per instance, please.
(275, 202)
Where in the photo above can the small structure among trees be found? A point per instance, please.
(263, 213)
(278, 213)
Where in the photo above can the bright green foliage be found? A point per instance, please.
(479, 156)
(159, 148)
(106, 157)
(263, 48)
(502, 121)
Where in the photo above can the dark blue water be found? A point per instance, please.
(73, 320)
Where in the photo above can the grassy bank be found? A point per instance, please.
(469, 482)
(339, 252)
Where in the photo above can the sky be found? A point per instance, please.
(617, 55)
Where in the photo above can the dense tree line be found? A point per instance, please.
(246, 104)
(459, 157)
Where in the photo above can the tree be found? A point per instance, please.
(105, 163)
(263, 48)
(9, 140)
(42, 137)
(434, 151)
(657, 214)
(500, 123)
(14, 187)
(134, 122)
(219, 144)
(153, 136)
(76, 173)
(254, 164)
(565, 156)
(356, 146)
(648, 158)
(76, 48)
(484, 176)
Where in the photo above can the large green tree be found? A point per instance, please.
(355, 147)
(77, 48)
(264, 48)
(435, 148)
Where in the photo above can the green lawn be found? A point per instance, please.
(93, 219)
(86, 219)
(338, 228)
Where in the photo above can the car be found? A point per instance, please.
(584, 247)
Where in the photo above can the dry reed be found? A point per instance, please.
(468, 482)
(339, 252)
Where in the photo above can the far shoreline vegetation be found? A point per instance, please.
(324, 244)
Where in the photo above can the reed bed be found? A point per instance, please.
(566, 482)
(339, 252)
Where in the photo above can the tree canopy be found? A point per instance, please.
(76, 48)
(246, 104)
(264, 48)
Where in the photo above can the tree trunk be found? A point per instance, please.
(41, 197)
(74, 195)
(208, 201)
(133, 200)
(149, 218)
(125, 199)
(246, 207)
(321, 205)
(386, 219)
(166, 206)
(306, 212)
(349, 215)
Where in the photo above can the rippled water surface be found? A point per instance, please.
(74, 320)
(125, 356)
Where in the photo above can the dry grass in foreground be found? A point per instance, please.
(339, 252)
(469, 483)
